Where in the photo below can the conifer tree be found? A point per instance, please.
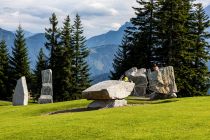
(52, 35)
(198, 25)
(53, 44)
(5, 92)
(67, 56)
(80, 67)
(120, 62)
(19, 61)
(41, 64)
(144, 34)
(176, 42)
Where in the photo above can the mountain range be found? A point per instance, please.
(102, 49)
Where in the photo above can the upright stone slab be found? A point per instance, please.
(139, 77)
(47, 90)
(162, 82)
(20, 96)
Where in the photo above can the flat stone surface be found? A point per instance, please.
(20, 96)
(111, 89)
(107, 103)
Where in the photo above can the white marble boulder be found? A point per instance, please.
(47, 89)
(20, 97)
(109, 93)
(163, 85)
(139, 77)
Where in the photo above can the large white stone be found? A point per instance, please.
(20, 96)
(139, 77)
(47, 89)
(111, 89)
(162, 81)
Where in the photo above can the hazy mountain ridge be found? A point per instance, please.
(102, 48)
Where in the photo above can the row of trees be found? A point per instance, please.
(67, 60)
(14, 66)
(168, 32)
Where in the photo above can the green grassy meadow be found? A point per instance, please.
(182, 118)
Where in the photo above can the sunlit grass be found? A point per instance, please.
(187, 118)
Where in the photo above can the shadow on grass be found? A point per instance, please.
(164, 101)
(74, 110)
(148, 101)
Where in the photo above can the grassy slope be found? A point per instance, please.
(187, 118)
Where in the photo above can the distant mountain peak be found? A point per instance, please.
(110, 37)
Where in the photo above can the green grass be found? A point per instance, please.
(186, 118)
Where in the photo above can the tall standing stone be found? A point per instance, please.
(47, 90)
(20, 96)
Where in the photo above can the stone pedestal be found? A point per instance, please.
(20, 96)
(107, 103)
(47, 89)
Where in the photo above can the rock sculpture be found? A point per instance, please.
(20, 96)
(139, 77)
(111, 93)
(47, 89)
(162, 82)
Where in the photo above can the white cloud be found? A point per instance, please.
(98, 16)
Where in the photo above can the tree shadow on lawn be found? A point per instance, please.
(131, 102)
(148, 101)
(73, 110)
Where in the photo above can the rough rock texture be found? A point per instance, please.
(111, 89)
(107, 103)
(20, 96)
(139, 77)
(45, 99)
(47, 90)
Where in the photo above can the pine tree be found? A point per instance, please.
(176, 42)
(80, 67)
(41, 64)
(52, 35)
(5, 92)
(198, 25)
(120, 62)
(53, 44)
(144, 34)
(67, 56)
(19, 61)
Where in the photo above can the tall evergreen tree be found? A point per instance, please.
(80, 67)
(120, 62)
(53, 36)
(144, 34)
(5, 92)
(198, 24)
(176, 42)
(41, 64)
(67, 56)
(19, 61)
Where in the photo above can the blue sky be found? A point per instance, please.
(98, 16)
